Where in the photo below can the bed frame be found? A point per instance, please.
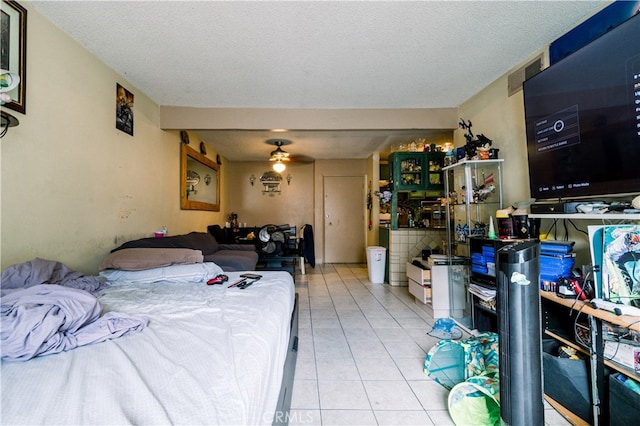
(281, 416)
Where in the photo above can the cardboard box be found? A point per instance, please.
(624, 354)
(583, 335)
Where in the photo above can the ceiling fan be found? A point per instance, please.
(279, 154)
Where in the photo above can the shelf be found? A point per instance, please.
(483, 280)
(484, 203)
(477, 185)
(564, 412)
(611, 364)
(462, 163)
(567, 342)
(487, 310)
(621, 369)
(627, 321)
(586, 216)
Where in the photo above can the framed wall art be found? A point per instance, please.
(124, 110)
(199, 181)
(13, 50)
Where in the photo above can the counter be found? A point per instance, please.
(403, 245)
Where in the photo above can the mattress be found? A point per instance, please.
(210, 355)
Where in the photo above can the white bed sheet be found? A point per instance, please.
(210, 355)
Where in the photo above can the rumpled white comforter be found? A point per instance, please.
(210, 355)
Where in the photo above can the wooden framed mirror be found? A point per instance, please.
(199, 181)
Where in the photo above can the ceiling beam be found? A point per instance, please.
(172, 117)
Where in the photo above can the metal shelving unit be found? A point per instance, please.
(473, 193)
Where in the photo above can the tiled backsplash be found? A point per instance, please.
(405, 244)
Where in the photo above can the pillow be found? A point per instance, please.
(196, 272)
(136, 259)
(194, 240)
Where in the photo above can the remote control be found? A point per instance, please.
(616, 308)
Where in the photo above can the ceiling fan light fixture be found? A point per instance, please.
(279, 154)
(279, 166)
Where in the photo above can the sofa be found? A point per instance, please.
(230, 257)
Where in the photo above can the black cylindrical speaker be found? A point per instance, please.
(521, 400)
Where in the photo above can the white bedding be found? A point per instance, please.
(210, 355)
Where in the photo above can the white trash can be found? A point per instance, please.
(376, 260)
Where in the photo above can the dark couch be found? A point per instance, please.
(230, 257)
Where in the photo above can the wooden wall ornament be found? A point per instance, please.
(184, 137)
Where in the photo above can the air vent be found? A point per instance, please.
(523, 73)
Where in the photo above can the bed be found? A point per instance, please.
(209, 355)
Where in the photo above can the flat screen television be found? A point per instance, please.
(583, 120)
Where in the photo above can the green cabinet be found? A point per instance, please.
(414, 178)
(407, 171)
(435, 176)
(416, 171)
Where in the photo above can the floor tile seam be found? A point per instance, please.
(333, 303)
(379, 341)
(384, 307)
(370, 397)
(313, 345)
(373, 409)
(437, 411)
(420, 400)
(354, 409)
(339, 320)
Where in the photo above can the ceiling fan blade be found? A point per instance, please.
(279, 159)
(301, 159)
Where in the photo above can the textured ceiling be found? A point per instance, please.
(321, 55)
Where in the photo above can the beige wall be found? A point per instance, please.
(73, 186)
(501, 118)
(293, 205)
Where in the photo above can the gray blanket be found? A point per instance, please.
(42, 271)
(46, 319)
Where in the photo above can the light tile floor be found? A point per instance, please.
(361, 354)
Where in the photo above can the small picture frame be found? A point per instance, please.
(124, 110)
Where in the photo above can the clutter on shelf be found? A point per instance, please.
(478, 147)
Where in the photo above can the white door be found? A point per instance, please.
(344, 219)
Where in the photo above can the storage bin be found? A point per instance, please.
(567, 381)
(624, 403)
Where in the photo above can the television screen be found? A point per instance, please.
(583, 119)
